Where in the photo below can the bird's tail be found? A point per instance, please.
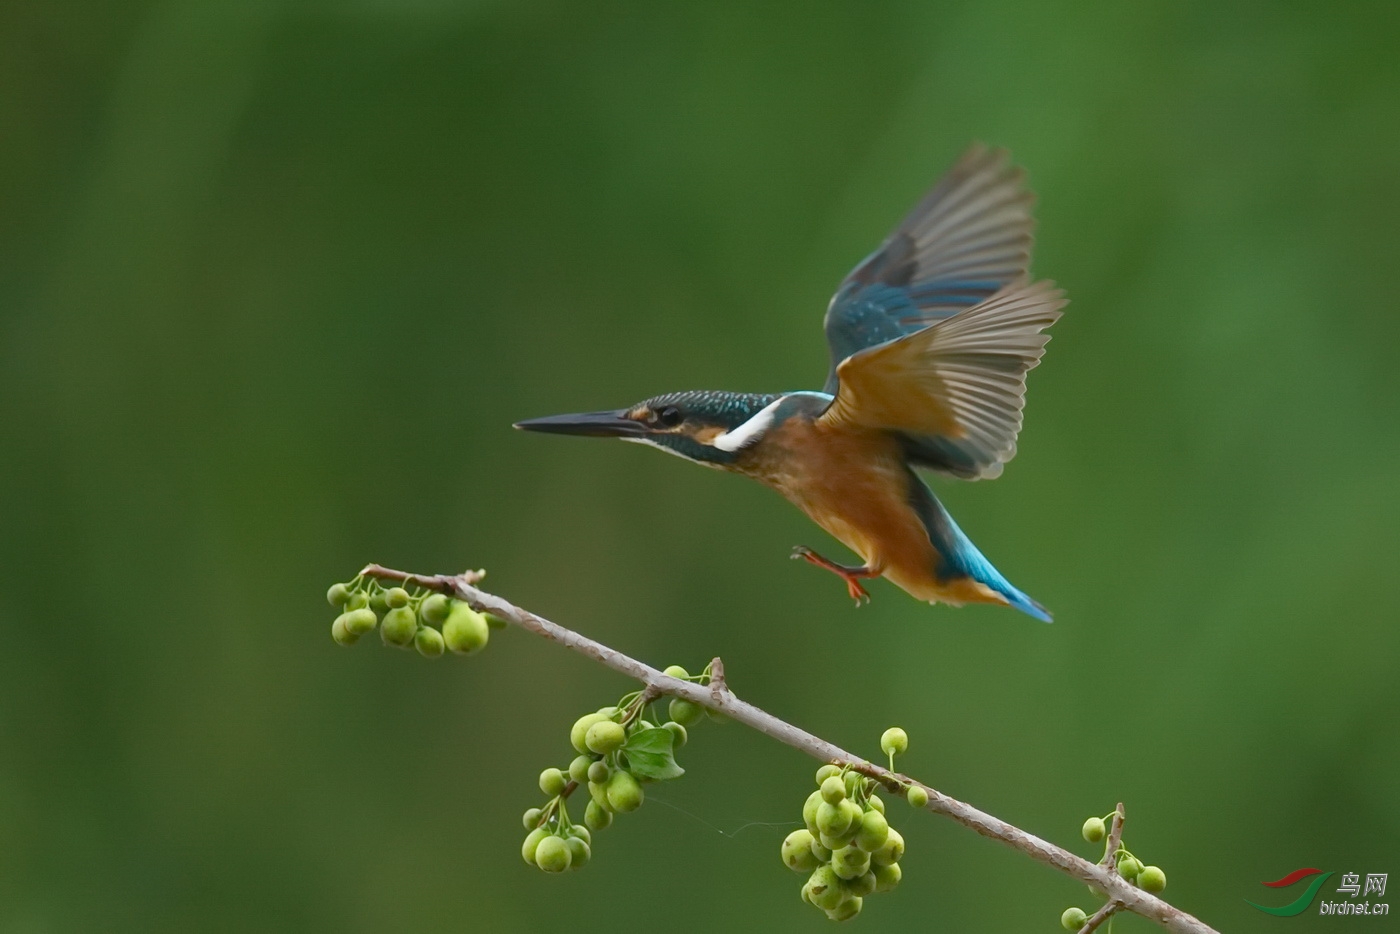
(1022, 602)
(961, 558)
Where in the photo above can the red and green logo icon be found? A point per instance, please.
(1303, 901)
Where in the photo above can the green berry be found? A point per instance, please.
(1152, 879)
(854, 811)
(832, 820)
(341, 633)
(338, 595)
(580, 730)
(891, 852)
(495, 622)
(874, 831)
(399, 627)
(876, 804)
(532, 842)
(579, 852)
(862, 886)
(1073, 919)
(820, 850)
(824, 888)
(676, 671)
(465, 631)
(827, 771)
(684, 712)
(605, 736)
(434, 609)
(916, 796)
(715, 716)
(847, 909)
(887, 877)
(894, 741)
(598, 791)
(531, 820)
(553, 782)
(1093, 829)
(1129, 867)
(378, 603)
(609, 713)
(396, 597)
(624, 794)
(552, 854)
(797, 852)
(360, 621)
(598, 771)
(855, 784)
(578, 769)
(834, 790)
(678, 733)
(809, 810)
(850, 862)
(429, 642)
(596, 816)
(358, 601)
(582, 832)
(829, 842)
(642, 725)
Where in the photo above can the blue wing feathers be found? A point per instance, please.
(964, 293)
(968, 238)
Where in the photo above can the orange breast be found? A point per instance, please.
(855, 485)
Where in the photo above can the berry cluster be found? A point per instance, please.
(408, 618)
(1148, 878)
(618, 750)
(848, 845)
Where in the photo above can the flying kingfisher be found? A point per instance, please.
(931, 338)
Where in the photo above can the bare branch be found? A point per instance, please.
(1115, 839)
(718, 686)
(1117, 890)
(1109, 909)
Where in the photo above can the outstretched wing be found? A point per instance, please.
(954, 390)
(969, 237)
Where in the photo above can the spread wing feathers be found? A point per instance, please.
(954, 390)
(969, 237)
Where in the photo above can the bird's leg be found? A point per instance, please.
(850, 575)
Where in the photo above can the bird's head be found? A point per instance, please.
(710, 428)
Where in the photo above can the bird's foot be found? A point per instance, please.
(852, 576)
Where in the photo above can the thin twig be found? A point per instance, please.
(1109, 909)
(1116, 889)
(1115, 839)
(718, 686)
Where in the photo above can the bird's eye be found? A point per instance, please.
(669, 417)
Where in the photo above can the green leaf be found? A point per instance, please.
(649, 755)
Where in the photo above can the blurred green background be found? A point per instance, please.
(276, 278)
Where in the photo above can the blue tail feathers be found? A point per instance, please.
(1025, 604)
(959, 557)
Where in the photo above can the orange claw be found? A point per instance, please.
(851, 576)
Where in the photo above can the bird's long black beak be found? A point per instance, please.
(595, 424)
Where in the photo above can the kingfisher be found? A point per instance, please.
(931, 338)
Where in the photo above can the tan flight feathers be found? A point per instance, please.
(963, 378)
